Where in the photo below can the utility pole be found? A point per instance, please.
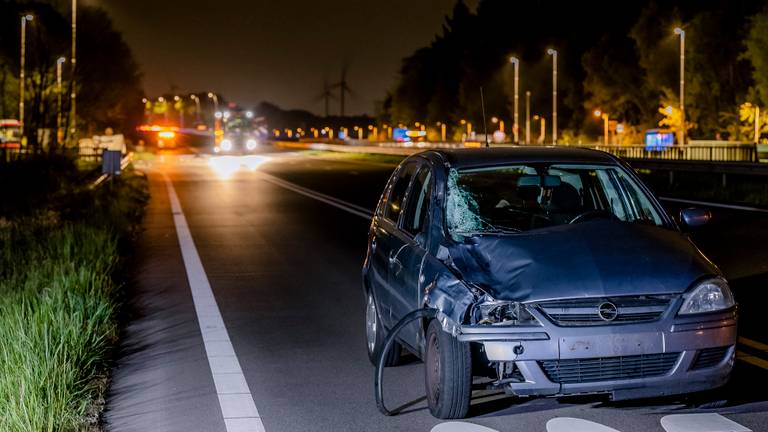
(515, 127)
(527, 117)
(59, 132)
(553, 53)
(73, 128)
(24, 19)
(681, 33)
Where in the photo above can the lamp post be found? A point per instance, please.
(215, 98)
(197, 107)
(516, 63)
(680, 32)
(59, 132)
(553, 53)
(527, 117)
(24, 19)
(73, 63)
(604, 116)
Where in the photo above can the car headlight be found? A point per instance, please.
(250, 144)
(226, 144)
(709, 296)
(503, 313)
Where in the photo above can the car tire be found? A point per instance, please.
(375, 335)
(448, 373)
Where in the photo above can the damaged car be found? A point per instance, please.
(552, 271)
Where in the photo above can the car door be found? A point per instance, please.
(408, 247)
(385, 228)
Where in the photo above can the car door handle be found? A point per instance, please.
(395, 264)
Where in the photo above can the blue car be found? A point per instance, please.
(552, 271)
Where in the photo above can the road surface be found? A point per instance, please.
(280, 238)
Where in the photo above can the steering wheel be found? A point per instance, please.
(591, 214)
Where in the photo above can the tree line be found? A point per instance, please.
(619, 57)
(107, 77)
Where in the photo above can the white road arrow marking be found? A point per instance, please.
(461, 427)
(570, 424)
(700, 423)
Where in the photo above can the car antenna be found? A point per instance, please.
(485, 123)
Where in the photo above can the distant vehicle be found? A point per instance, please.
(164, 137)
(241, 132)
(10, 133)
(553, 271)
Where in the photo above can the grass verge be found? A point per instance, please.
(58, 308)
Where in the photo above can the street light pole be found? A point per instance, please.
(59, 134)
(73, 95)
(681, 33)
(24, 19)
(553, 53)
(197, 107)
(527, 117)
(215, 98)
(516, 62)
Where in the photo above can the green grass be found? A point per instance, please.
(370, 157)
(58, 305)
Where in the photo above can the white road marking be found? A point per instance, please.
(461, 427)
(570, 424)
(700, 423)
(235, 399)
(711, 204)
(341, 204)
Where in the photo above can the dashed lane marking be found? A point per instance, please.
(235, 399)
(341, 204)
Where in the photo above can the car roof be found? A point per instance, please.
(477, 157)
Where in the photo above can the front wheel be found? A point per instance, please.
(375, 336)
(448, 374)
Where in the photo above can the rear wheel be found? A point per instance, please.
(375, 336)
(448, 374)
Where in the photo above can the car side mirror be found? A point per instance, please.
(695, 217)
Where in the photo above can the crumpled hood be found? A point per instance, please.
(591, 259)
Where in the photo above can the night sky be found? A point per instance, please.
(276, 50)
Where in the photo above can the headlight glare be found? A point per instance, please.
(709, 296)
(495, 312)
(226, 144)
(250, 144)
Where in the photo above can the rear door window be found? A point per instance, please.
(417, 205)
(396, 198)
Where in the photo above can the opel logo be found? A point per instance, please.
(607, 311)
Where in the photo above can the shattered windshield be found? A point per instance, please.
(511, 199)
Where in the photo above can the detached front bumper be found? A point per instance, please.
(665, 357)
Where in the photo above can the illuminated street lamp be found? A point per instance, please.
(604, 116)
(24, 19)
(553, 53)
(442, 131)
(212, 95)
(59, 132)
(527, 117)
(680, 32)
(515, 62)
(72, 65)
(197, 107)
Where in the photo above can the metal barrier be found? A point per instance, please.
(713, 152)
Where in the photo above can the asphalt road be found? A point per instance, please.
(285, 271)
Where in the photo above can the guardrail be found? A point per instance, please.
(712, 153)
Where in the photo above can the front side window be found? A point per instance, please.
(525, 197)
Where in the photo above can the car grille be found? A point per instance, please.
(709, 357)
(608, 368)
(585, 312)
